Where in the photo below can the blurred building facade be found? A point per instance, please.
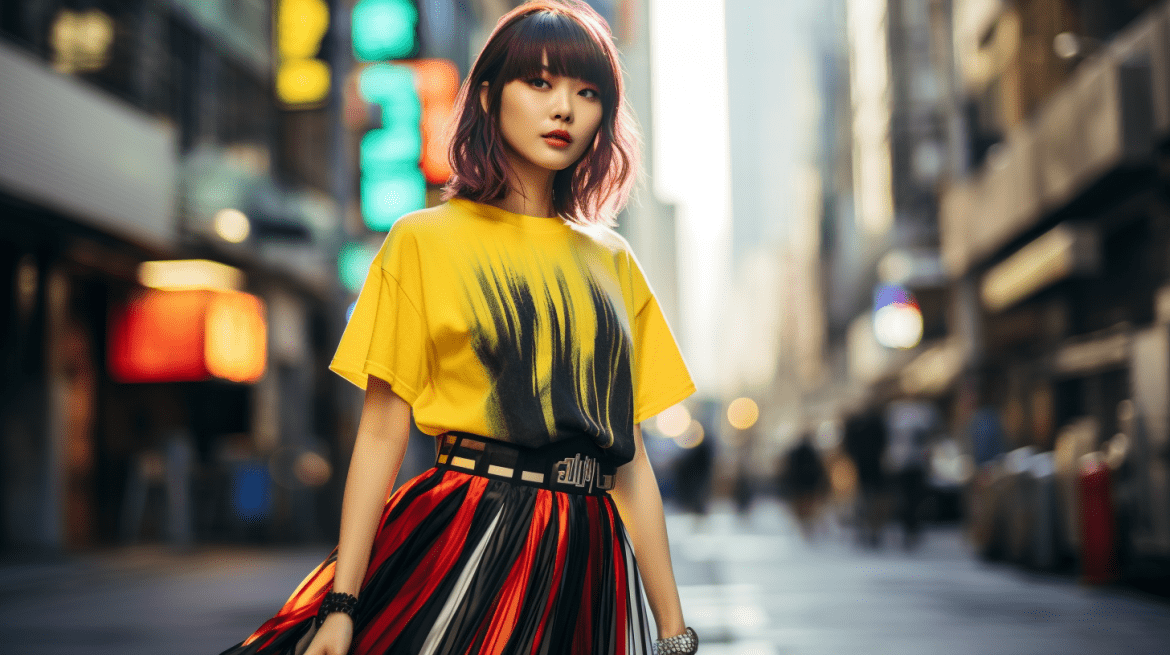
(1007, 182)
(889, 153)
(1055, 238)
(150, 131)
(157, 131)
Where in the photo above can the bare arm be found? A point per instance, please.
(378, 450)
(640, 505)
(377, 453)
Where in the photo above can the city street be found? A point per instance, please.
(748, 588)
(856, 249)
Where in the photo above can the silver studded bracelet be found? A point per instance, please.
(685, 644)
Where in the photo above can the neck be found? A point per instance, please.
(529, 189)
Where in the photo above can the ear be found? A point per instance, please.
(483, 96)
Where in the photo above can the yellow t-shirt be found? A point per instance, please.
(518, 328)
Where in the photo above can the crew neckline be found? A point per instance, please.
(524, 221)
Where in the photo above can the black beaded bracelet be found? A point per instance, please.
(336, 601)
(685, 644)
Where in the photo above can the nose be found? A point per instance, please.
(562, 105)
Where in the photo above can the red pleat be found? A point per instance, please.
(296, 607)
(622, 587)
(417, 590)
(562, 509)
(301, 605)
(389, 539)
(306, 599)
(510, 600)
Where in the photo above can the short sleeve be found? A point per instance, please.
(387, 333)
(661, 378)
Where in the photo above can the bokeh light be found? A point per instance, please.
(302, 82)
(898, 326)
(189, 274)
(743, 413)
(158, 337)
(232, 225)
(312, 469)
(383, 29)
(301, 79)
(81, 41)
(897, 320)
(353, 263)
(235, 345)
(673, 421)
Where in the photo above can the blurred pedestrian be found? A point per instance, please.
(692, 474)
(986, 433)
(522, 333)
(865, 441)
(742, 489)
(804, 484)
(911, 424)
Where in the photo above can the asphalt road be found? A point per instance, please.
(751, 587)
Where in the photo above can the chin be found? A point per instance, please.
(556, 165)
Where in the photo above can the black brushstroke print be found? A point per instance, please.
(591, 395)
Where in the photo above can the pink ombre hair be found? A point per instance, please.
(579, 44)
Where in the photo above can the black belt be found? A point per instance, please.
(572, 465)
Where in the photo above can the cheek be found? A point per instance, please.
(516, 117)
(595, 123)
(594, 119)
(509, 121)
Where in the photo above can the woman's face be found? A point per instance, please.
(549, 120)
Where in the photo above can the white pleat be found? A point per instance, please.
(435, 636)
(638, 634)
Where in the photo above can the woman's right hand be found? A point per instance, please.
(333, 637)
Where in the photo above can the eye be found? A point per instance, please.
(539, 83)
(592, 94)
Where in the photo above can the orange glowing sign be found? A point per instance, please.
(189, 335)
(437, 83)
(236, 343)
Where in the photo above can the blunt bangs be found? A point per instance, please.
(572, 52)
(578, 44)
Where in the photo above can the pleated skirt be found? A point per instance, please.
(463, 564)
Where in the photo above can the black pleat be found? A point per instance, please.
(605, 592)
(518, 505)
(539, 584)
(562, 624)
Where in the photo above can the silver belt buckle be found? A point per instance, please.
(581, 471)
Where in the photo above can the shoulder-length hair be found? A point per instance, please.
(579, 44)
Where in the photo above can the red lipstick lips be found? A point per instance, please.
(558, 138)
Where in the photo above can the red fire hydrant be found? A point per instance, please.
(1098, 563)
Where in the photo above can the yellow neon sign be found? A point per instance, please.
(301, 78)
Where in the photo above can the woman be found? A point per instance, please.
(521, 332)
